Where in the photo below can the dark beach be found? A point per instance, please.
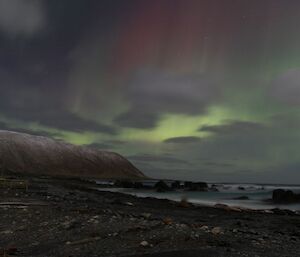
(56, 217)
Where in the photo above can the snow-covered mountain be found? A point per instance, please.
(24, 153)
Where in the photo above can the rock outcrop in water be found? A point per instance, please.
(285, 196)
(161, 186)
(196, 186)
(23, 153)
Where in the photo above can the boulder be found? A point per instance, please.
(161, 186)
(176, 185)
(196, 186)
(214, 188)
(285, 196)
(283, 211)
(124, 183)
(138, 185)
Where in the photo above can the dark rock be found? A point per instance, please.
(285, 196)
(161, 186)
(187, 184)
(124, 184)
(283, 212)
(239, 223)
(241, 188)
(196, 186)
(138, 185)
(176, 185)
(214, 188)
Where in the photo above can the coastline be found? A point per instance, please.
(201, 203)
(248, 198)
(68, 218)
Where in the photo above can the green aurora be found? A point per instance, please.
(206, 90)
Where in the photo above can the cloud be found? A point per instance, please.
(103, 146)
(61, 119)
(26, 102)
(248, 145)
(232, 127)
(183, 140)
(21, 17)
(107, 144)
(218, 164)
(44, 112)
(152, 93)
(6, 126)
(286, 121)
(286, 87)
(285, 173)
(239, 139)
(156, 158)
(137, 118)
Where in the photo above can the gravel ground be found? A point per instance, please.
(67, 218)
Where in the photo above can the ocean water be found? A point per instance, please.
(257, 194)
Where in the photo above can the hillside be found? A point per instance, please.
(24, 153)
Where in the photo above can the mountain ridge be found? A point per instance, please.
(25, 153)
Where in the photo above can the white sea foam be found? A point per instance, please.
(228, 194)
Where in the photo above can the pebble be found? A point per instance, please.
(129, 204)
(267, 211)
(216, 231)
(146, 215)
(167, 221)
(21, 228)
(182, 226)
(194, 235)
(261, 240)
(144, 243)
(205, 228)
(7, 232)
(253, 232)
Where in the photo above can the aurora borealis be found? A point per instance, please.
(185, 89)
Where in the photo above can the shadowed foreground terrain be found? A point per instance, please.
(71, 218)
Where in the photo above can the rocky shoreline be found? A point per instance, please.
(55, 217)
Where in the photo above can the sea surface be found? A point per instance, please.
(258, 195)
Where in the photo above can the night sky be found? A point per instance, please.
(185, 89)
